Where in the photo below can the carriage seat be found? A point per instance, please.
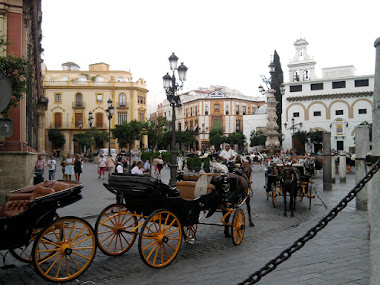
(57, 185)
(187, 189)
(191, 177)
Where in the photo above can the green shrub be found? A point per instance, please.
(206, 162)
(146, 155)
(197, 162)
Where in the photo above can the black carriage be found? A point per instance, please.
(60, 249)
(272, 182)
(161, 215)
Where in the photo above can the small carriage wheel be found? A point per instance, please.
(274, 194)
(160, 239)
(189, 231)
(24, 253)
(113, 230)
(64, 249)
(238, 227)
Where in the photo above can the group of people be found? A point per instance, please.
(120, 165)
(69, 167)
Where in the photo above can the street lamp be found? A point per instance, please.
(90, 122)
(171, 87)
(109, 113)
(293, 127)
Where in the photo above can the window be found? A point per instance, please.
(206, 110)
(99, 120)
(58, 98)
(122, 100)
(296, 115)
(244, 109)
(57, 120)
(217, 124)
(362, 111)
(78, 119)
(216, 107)
(306, 75)
(338, 112)
(316, 86)
(99, 79)
(191, 125)
(99, 98)
(79, 100)
(339, 84)
(296, 76)
(141, 117)
(237, 109)
(141, 100)
(361, 83)
(191, 111)
(237, 125)
(295, 88)
(179, 126)
(120, 79)
(339, 145)
(82, 78)
(196, 110)
(121, 118)
(227, 109)
(52, 80)
(317, 113)
(65, 78)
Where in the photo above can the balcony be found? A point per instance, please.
(122, 106)
(72, 126)
(79, 105)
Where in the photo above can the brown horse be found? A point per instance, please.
(289, 178)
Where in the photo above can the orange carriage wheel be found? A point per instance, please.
(160, 239)
(24, 253)
(64, 249)
(274, 194)
(190, 231)
(238, 227)
(113, 230)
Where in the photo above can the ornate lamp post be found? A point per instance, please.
(171, 87)
(109, 113)
(272, 143)
(292, 127)
(90, 122)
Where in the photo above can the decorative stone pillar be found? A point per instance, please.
(361, 150)
(374, 197)
(272, 143)
(327, 162)
(342, 167)
(333, 168)
(41, 131)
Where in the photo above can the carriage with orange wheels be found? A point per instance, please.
(60, 249)
(161, 216)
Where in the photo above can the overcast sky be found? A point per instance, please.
(222, 42)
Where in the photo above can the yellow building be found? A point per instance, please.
(74, 93)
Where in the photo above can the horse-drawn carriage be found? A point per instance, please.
(60, 249)
(289, 180)
(160, 215)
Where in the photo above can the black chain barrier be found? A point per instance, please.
(299, 243)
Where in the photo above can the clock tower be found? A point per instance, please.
(302, 66)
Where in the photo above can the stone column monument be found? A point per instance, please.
(327, 162)
(361, 150)
(342, 167)
(374, 197)
(272, 143)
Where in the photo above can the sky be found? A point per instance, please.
(227, 43)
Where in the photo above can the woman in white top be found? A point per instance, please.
(102, 167)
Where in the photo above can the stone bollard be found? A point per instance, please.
(333, 168)
(327, 162)
(361, 150)
(342, 167)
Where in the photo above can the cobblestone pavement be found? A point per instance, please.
(339, 254)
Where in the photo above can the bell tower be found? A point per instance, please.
(302, 66)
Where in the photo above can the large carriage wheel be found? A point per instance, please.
(274, 194)
(160, 239)
(113, 230)
(24, 253)
(238, 227)
(189, 231)
(64, 249)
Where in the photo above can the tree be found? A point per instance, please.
(155, 131)
(216, 138)
(57, 138)
(236, 138)
(99, 137)
(17, 71)
(277, 80)
(257, 138)
(84, 139)
(316, 136)
(126, 133)
(301, 136)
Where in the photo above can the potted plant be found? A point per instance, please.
(197, 163)
(189, 163)
(206, 164)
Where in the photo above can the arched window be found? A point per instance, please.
(65, 78)
(120, 79)
(306, 75)
(82, 78)
(122, 100)
(99, 79)
(78, 100)
(296, 76)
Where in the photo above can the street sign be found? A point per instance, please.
(5, 91)
(6, 127)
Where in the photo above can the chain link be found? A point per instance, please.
(298, 244)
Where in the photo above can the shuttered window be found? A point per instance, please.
(99, 120)
(58, 120)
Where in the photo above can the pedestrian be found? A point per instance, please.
(63, 165)
(125, 165)
(146, 166)
(52, 163)
(58, 152)
(110, 163)
(69, 168)
(39, 169)
(102, 166)
(160, 164)
(180, 161)
(78, 163)
(138, 169)
(119, 165)
(155, 164)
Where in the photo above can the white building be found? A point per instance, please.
(336, 103)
